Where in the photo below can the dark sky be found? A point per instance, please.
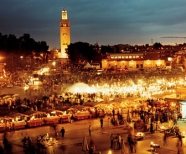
(102, 21)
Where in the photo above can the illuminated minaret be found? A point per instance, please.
(64, 33)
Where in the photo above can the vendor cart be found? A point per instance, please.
(18, 120)
(2, 127)
(35, 118)
(82, 115)
(3, 121)
(51, 120)
(65, 118)
(51, 116)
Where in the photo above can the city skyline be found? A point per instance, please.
(103, 22)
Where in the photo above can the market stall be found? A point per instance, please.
(18, 120)
(64, 117)
(35, 118)
(80, 115)
(3, 121)
(103, 108)
(79, 112)
(50, 116)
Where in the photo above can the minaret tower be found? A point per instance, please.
(64, 33)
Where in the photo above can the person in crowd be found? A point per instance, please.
(101, 122)
(119, 141)
(91, 147)
(13, 127)
(24, 141)
(180, 139)
(130, 142)
(165, 138)
(1, 150)
(5, 142)
(179, 147)
(72, 118)
(151, 128)
(111, 140)
(90, 130)
(62, 132)
(29, 142)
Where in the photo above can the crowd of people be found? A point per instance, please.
(56, 91)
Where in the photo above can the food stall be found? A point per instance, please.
(34, 118)
(18, 120)
(64, 117)
(3, 121)
(79, 112)
(63, 114)
(80, 115)
(50, 116)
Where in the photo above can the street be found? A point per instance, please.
(75, 132)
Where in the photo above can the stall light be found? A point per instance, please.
(26, 87)
(109, 152)
(32, 118)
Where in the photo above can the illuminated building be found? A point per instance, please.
(64, 34)
(131, 61)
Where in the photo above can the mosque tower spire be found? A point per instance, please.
(64, 34)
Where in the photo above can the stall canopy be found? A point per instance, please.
(90, 104)
(63, 108)
(29, 112)
(14, 114)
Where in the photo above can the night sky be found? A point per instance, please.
(106, 22)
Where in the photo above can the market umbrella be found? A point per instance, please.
(85, 144)
(123, 148)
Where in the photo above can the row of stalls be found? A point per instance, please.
(16, 120)
(29, 118)
(66, 114)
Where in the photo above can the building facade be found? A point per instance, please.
(64, 34)
(132, 61)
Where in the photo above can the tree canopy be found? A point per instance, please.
(22, 45)
(81, 51)
(157, 45)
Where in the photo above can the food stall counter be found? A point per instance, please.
(35, 122)
(34, 118)
(82, 115)
(2, 127)
(19, 124)
(65, 118)
(52, 119)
